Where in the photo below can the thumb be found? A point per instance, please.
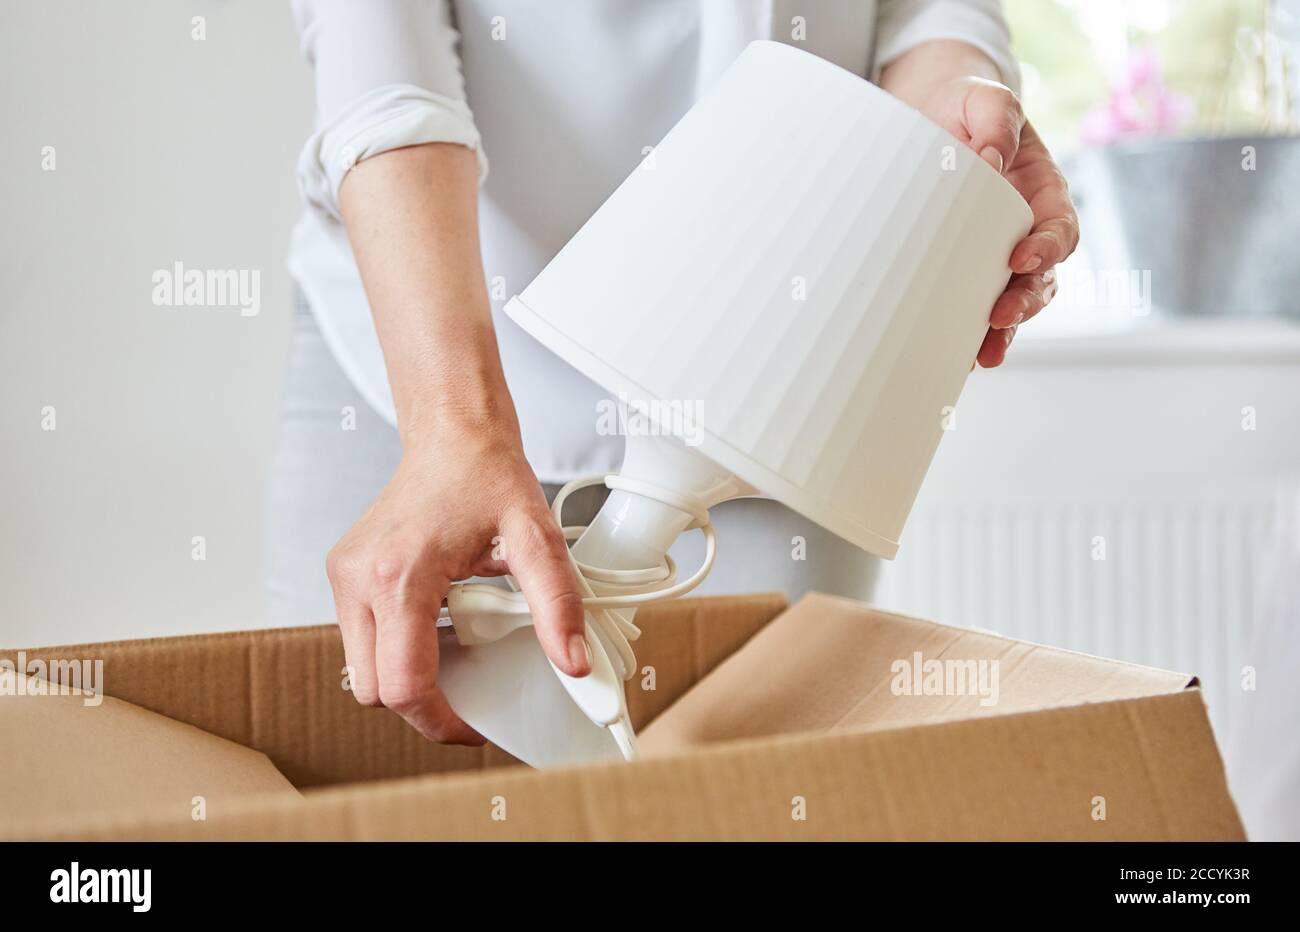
(993, 120)
(538, 558)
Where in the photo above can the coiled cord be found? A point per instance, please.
(645, 586)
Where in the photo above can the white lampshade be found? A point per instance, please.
(810, 265)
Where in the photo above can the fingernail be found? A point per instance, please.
(579, 652)
(993, 157)
(1033, 263)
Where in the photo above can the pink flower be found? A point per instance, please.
(1139, 104)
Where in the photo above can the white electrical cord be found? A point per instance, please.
(614, 633)
(645, 585)
(690, 505)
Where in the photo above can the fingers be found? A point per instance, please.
(357, 626)
(390, 641)
(538, 558)
(1047, 244)
(993, 119)
(1024, 297)
(492, 561)
(406, 653)
(994, 348)
(1055, 233)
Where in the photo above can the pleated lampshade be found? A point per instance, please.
(809, 264)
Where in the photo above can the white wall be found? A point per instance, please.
(1106, 494)
(166, 149)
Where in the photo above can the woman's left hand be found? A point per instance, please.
(987, 117)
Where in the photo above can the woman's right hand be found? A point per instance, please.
(463, 502)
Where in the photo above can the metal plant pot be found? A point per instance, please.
(1218, 236)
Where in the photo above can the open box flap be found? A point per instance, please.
(829, 663)
(85, 754)
(281, 691)
(1137, 769)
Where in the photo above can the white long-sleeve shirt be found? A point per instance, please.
(565, 99)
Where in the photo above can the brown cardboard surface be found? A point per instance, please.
(1034, 775)
(102, 755)
(831, 663)
(1078, 747)
(280, 691)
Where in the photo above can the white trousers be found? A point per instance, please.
(334, 454)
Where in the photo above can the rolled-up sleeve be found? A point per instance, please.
(387, 75)
(904, 24)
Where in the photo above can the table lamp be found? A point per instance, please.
(807, 266)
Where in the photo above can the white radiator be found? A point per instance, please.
(1171, 578)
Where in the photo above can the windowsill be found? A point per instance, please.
(1163, 339)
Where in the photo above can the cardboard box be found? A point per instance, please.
(827, 721)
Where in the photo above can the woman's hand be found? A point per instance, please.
(987, 117)
(954, 85)
(463, 501)
(465, 504)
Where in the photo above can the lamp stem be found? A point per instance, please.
(633, 531)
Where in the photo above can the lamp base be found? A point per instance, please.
(507, 689)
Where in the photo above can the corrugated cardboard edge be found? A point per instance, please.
(1137, 769)
(278, 690)
(227, 684)
(827, 663)
(149, 760)
(257, 688)
(1188, 680)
